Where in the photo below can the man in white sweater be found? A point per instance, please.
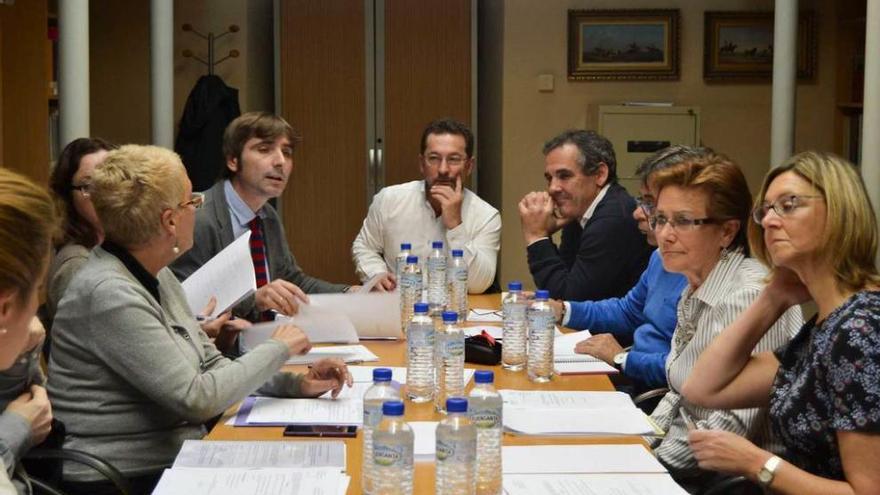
(437, 208)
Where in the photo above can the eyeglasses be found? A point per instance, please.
(783, 206)
(451, 160)
(646, 205)
(678, 223)
(83, 189)
(197, 199)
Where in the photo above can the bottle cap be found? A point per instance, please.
(412, 260)
(420, 307)
(484, 376)
(437, 245)
(382, 375)
(450, 317)
(515, 285)
(392, 408)
(405, 246)
(456, 405)
(457, 253)
(542, 294)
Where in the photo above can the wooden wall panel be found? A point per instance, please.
(25, 106)
(322, 78)
(427, 75)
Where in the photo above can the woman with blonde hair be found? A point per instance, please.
(132, 374)
(27, 225)
(815, 228)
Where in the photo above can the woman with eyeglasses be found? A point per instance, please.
(27, 224)
(132, 375)
(815, 228)
(80, 230)
(700, 221)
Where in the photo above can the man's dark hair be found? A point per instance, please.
(262, 125)
(667, 157)
(593, 149)
(449, 126)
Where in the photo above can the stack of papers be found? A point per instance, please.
(574, 413)
(347, 353)
(584, 469)
(484, 315)
(568, 362)
(244, 468)
(228, 276)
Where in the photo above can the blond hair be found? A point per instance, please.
(28, 223)
(131, 189)
(849, 242)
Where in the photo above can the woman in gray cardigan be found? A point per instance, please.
(132, 375)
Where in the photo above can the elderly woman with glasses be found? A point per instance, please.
(132, 373)
(815, 228)
(700, 220)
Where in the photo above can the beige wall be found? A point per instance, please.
(735, 117)
(120, 60)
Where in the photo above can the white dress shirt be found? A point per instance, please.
(402, 213)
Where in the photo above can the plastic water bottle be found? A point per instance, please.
(420, 355)
(485, 410)
(405, 251)
(458, 285)
(379, 393)
(410, 289)
(456, 451)
(542, 321)
(515, 333)
(437, 296)
(448, 361)
(393, 452)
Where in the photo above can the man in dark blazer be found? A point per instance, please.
(259, 158)
(602, 253)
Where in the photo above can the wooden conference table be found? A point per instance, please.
(393, 353)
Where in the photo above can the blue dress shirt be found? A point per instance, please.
(647, 313)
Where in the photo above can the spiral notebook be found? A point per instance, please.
(568, 362)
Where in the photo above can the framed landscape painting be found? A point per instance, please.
(739, 46)
(623, 44)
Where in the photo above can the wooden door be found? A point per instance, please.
(323, 97)
(25, 103)
(427, 76)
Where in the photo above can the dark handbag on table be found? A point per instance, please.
(482, 349)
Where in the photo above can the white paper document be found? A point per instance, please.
(398, 374)
(558, 399)
(228, 276)
(347, 410)
(578, 422)
(192, 481)
(347, 353)
(368, 286)
(563, 348)
(332, 330)
(591, 484)
(375, 315)
(425, 440)
(484, 315)
(261, 454)
(562, 459)
(585, 368)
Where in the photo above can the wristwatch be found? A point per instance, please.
(619, 359)
(768, 471)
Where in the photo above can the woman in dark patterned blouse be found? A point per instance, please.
(815, 228)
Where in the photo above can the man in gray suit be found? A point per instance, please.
(259, 158)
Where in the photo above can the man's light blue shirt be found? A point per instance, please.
(241, 214)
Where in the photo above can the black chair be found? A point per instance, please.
(51, 459)
(647, 401)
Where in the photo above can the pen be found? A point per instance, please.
(206, 319)
(353, 361)
(688, 419)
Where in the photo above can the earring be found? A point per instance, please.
(176, 248)
(725, 254)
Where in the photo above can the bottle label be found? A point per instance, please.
(390, 455)
(455, 451)
(454, 348)
(486, 418)
(459, 275)
(372, 414)
(540, 321)
(410, 281)
(420, 338)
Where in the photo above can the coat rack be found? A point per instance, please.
(210, 37)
